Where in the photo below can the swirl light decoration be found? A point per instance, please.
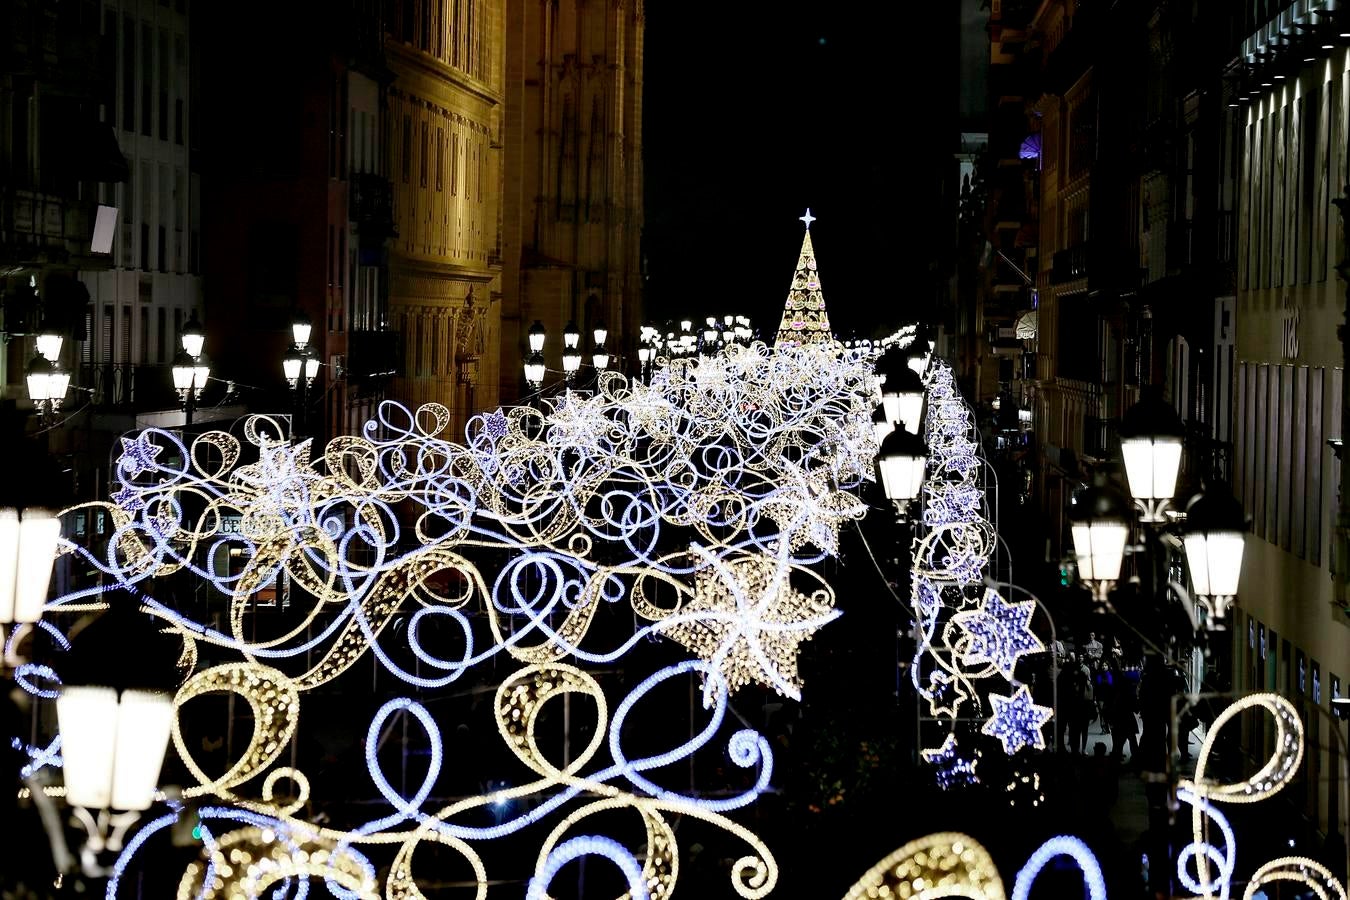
(701, 500)
(968, 633)
(1207, 869)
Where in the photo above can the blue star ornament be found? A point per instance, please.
(950, 769)
(1000, 633)
(495, 423)
(138, 455)
(128, 498)
(1017, 721)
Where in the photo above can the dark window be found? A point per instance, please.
(407, 149)
(147, 77)
(128, 73)
(422, 160)
(108, 66)
(440, 157)
(180, 5)
(145, 246)
(124, 339)
(106, 339)
(407, 20)
(161, 336)
(163, 249)
(163, 84)
(194, 253)
(145, 334)
(178, 121)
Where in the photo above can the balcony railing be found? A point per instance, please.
(1070, 264)
(128, 388)
(371, 201)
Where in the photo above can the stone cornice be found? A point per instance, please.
(428, 65)
(425, 267)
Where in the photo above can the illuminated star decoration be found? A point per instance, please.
(808, 218)
(1017, 721)
(128, 498)
(138, 455)
(495, 423)
(747, 621)
(1000, 633)
(949, 768)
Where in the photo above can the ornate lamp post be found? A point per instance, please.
(115, 712)
(901, 464)
(1213, 535)
(1151, 436)
(47, 386)
(571, 357)
(599, 356)
(301, 367)
(1100, 523)
(189, 377)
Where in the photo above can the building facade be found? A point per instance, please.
(141, 302)
(1292, 632)
(445, 164)
(573, 194)
(299, 210)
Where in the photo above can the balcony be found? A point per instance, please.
(1071, 264)
(373, 356)
(371, 206)
(123, 387)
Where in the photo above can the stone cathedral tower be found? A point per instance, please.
(572, 205)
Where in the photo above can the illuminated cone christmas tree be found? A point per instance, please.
(804, 318)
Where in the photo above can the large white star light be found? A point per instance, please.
(999, 633)
(1017, 721)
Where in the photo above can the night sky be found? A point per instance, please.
(847, 108)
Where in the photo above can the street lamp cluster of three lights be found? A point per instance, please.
(535, 368)
(300, 359)
(1211, 527)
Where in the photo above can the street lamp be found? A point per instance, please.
(571, 357)
(49, 341)
(115, 712)
(917, 356)
(1151, 435)
(192, 338)
(599, 358)
(1213, 537)
(537, 333)
(27, 551)
(301, 327)
(534, 370)
(1100, 523)
(189, 377)
(901, 462)
(902, 397)
(600, 332)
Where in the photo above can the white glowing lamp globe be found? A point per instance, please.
(38, 376)
(901, 463)
(644, 354)
(1214, 537)
(291, 366)
(1151, 435)
(902, 398)
(1100, 526)
(534, 368)
(49, 343)
(537, 333)
(311, 367)
(193, 338)
(27, 552)
(115, 711)
(600, 360)
(301, 328)
(600, 332)
(184, 372)
(571, 361)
